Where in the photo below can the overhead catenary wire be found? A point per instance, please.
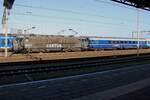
(116, 4)
(99, 24)
(70, 19)
(81, 13)
(77, 12)
(69, 11)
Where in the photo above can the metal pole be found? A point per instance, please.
(6, 32)
(138, 40)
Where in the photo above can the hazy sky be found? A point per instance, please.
(87, 17)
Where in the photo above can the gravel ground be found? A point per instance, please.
(67, 55)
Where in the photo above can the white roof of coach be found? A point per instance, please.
(118, 39)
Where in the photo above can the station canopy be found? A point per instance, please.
(143, 4)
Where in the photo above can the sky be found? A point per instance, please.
(87, 17)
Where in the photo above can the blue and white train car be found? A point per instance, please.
(117, 43)
(9, 42)
(148, 43)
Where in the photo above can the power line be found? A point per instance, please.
(74, 20)
(64, 18)
(70, 19)
(74, 12)
(67, 18)
(79, 13)
(113, 4)
(66, 11)
(116, 4)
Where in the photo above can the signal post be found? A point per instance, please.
(7, 6)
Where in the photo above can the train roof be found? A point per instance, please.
(117, 38)
(9, 37)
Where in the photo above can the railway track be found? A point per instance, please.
(104, 85)
(15, 69)
(8, 69)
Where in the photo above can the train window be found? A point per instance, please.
(125, 42)
(133, 42)
(109, 42)
(121, 42)
(92, 41)
(97, 42)
(8, 41)
(117, 42)
(3, 41)
(130, 42)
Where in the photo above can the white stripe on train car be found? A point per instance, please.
(117, 39)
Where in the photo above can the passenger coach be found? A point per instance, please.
(117, 43)
(9, 42)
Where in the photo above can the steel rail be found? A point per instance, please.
(61, 66)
